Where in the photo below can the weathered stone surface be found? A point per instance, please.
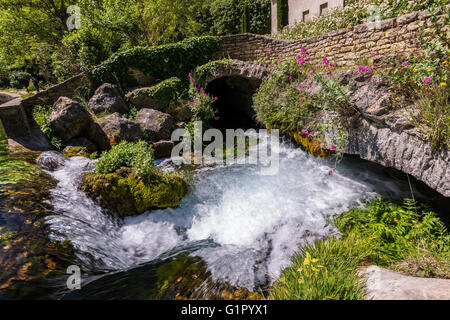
(139, 98)
(14, 119)
(250, 70)
(96, 134)
(107, 99)
(79, 146)
(6, 96)
(163, 149)
(384, 284)
(184, 115)
(156, 125)
(69, 119)
(119, 128)
(384, 134)
(50, 160)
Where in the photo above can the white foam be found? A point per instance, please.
(257, 221)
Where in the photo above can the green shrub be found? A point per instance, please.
(396, 233)
(4, 78)
(284, 102)
(408, 238)
(41, 116)
(138, 156)
(161, 62)
(19, 79)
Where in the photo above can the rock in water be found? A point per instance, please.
(163, 149)
(69, 119)
(119, 128)
(79, 147)
(50, 160)
(157, 125)
(107, 99)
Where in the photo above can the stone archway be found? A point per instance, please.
(233, 82)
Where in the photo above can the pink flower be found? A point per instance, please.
(301, 99)
(405, 63)
(195, 89)
(316, 66)
(191, 79)
(427, 79)
(333, 147)
(290, 78)
(277, 88)
(373, 54)
(305, 132)
(310, 71)
(300, 86)
(270, 50)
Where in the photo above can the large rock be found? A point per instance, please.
(79, 147)
(384, 284)
(163, 149)
(6, 97)
(157, 125)
(119, 128)
(50, 160)
(107, 99)
(69, 119)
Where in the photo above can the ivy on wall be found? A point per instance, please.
(160, 62)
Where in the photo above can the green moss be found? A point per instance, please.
(161, 62)
(164, 93)
(204, 71)
(125, 193)
(76, 152)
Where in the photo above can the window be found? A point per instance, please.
(305, 15)
(323, 8)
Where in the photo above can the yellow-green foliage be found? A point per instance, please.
(125, 193)
(311, 145)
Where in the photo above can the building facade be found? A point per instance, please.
(304, 10)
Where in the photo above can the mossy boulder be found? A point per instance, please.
(158, 97)
(125, 193)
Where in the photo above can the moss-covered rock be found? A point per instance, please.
(125, 193)
(160, 96)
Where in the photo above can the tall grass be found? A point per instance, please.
(408, 238)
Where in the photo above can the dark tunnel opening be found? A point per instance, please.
(234, 103)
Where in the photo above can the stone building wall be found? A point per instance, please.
(346, 47)
(304, 9)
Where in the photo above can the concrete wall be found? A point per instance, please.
(346, 47)
(298, 7)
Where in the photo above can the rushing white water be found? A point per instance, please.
(256, 221)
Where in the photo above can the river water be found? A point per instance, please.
(245, 225)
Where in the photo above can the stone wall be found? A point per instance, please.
(49, 96)
(346, 47)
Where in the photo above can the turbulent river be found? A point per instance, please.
(243, 224)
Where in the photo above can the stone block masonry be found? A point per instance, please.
(346, 47)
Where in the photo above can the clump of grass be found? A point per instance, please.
(409, 238)
(324, 270)
(433, 116)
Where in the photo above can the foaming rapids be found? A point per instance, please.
(255, 222)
